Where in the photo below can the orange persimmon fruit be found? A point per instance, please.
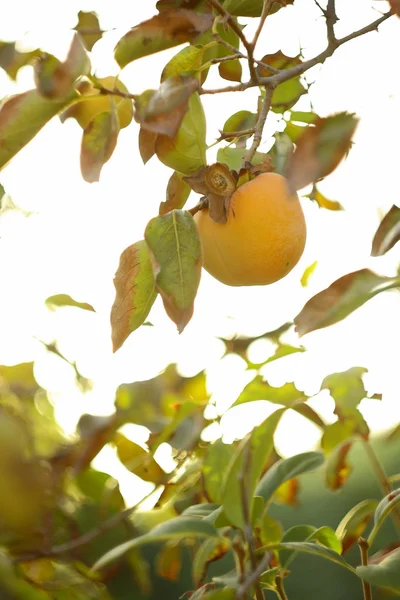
(263, 238)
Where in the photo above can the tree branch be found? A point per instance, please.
(331, 19)
(264, 14)
(254, 576)
(230, 20)
(266, 105)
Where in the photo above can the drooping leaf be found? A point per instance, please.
(385, 574)
(353, 524)
(313, 548)
(147, 144)
(323, 201)
(384, 508)
(98, 144)
(175, 254)
(308, 271)
(210, 550)
(231, 70)
(65, 300)
(286, 469)
(337, 469)
(186, 63)
(246, 468)
(162, 111)
(11, 59)
(320, 149)
(169, 562)
(388, 232)
(177, 193)
(341, 298)
(165, 30)
(137, 460)
(22, 117)
(186, 152)
(215, 465)
(174, 529)
(135, 292)
(88, 27)
(55, 79)
(286, 94)
(259, 389)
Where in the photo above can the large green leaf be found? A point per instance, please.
(135, 292)
(313, 548)
(341, 298)
(386, 574)
(175, 253)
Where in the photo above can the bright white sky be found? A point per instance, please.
(72, 241)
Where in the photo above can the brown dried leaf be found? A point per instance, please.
(388, 232)
(147, 144)
(219, 180)
(395, 6)
(161, 111)
(216, 183)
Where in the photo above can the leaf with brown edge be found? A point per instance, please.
(341, 298)
(287, 493)
(162, 110)
(337, 468)
(147, 144)
(88, 27)
(176, 194)
(22, 116)
(388, 232)
(287, 93)
(169, 561)
(320, 149)
(11, 59)
(209, 551)
(323, 201)
(55, 79)
(353, 524)
(176, 257)
(135, 292)
(165, 30)
(98, 144)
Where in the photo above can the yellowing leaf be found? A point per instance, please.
(307, 273)
(186, 62)
(11, 59)
(231, 70)
(98, 144)
(352, 526)
(176, 194)
(209, 551)
(135, 292)
(137, 460)
(88, 27)
(338, 469)
(65, 300)
(147, 144)
(169, 562)
(388, 232)
(323, 201)
(165, 30)
(176, 257)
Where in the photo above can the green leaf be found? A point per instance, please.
(243, 119)
(297, 533)
(135, 292)
(231, 70)
(137, 460)
(303, 117)
(305, 278)
(342, 298)
(88, 27)
(186, 63)
(175, 254)
(382, 511)
(353, 524)
(174, 529)
(320, 149)
(286, 469)
(165, 30)
(22, 117)
(259, 389)
(281, 151)
(249, 462)
(233, 157)
(220, 594)
(388, 232)
(65, 300)
(327, 537)
(313, 548)
(210, 550)
(271, 531)
(177, 193)
(169, 562)
(287, 93)
(98, 144)
(250, 8)
(186, 152)
(200, 510)
(55, 79)
(215, 465)
(268, 579)
(11, 59)
(386, 574)
(346, 388)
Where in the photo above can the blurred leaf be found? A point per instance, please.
(219, 594)
(215, 466)
(200, 510)
(281, 151)
(98, 144)
(88, 27)
(353, 524)
(303, 117)
(65, 300)
(346, 388)
(268, 579)
(382, 511)
(259, 389)
(250, 8)
(233, 157)
(337, 433)
(323, 201)
(297, 533)
(320, 149)
(186, 152)
(307, 273)
(95, 432)
(313, 548)
(177, 193)
(337, 469)
(11, 59)
(388, 232)
(175, 254)
(186, 63)
(287, 492)
(19, 379)
(386, 574)
(22, 117)
(341, 298)
(395, 6)
(249, 462)
(101, 488)
(287, 93)
(165, 30)
(309, 413)
(174, 529)
(231, 70)
(209, 551)
(162, 111)
(137, 460)
(286, 469)
(271, 531)
(55, 79)
(169, 562)
(327, 537)
(135, 292)
(147, 144)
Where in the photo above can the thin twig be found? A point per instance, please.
(228, 135)
(364, 547)
(331, 19)
(254, 576)
(230, 20)
(215, 61)
(266, 105)
(280, 590)
(264, 14)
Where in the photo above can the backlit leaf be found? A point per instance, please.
(323, 201)
(303, 116)
(165, 30)
(175, 254)
(384, 508)
(88, 27)
(66, 300)
(135, 292)
(320, 149)
(346, 388)
(137, 460)
(186, 63)
(259, 389)
(243, 119)
(388, 232)
(341, 298)
(386, 574)
(98, 144)
(287, 93)
(177, 193)
(353, 524)
(11, 59)
(22, 117)
(337, 469)
(215, 465)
